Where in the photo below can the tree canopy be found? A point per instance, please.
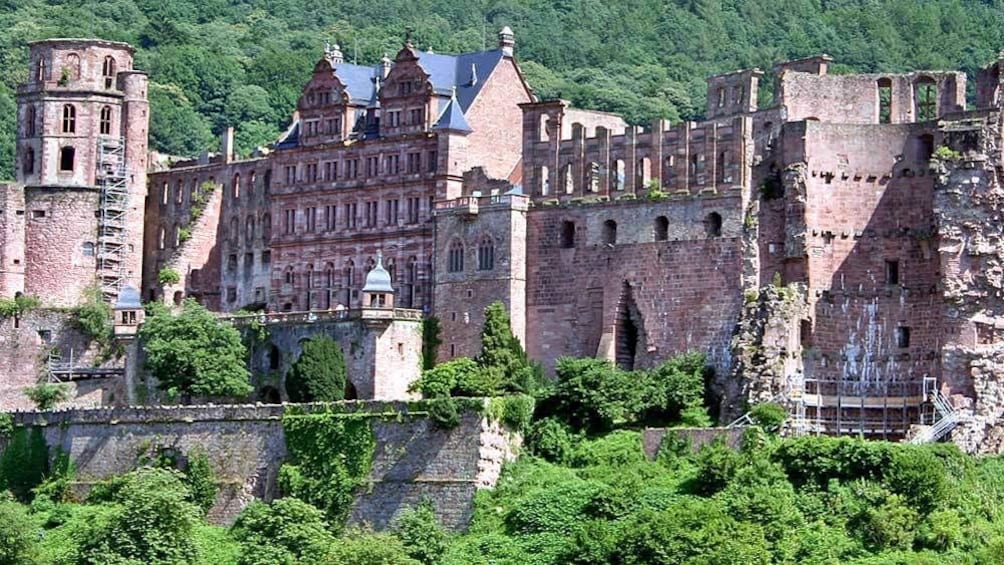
(194, 353)
(319, 374)
(215, 63)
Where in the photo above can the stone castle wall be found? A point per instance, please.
(413, 459)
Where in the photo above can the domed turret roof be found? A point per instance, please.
(378, 279)
(128, 299)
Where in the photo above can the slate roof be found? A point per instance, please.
(452, 118)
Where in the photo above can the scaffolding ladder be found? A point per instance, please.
(114, 204)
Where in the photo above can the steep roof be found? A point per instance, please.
(452, 118)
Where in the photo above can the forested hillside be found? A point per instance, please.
(215, 63)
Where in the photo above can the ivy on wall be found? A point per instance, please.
(329, 455)
(24, 463)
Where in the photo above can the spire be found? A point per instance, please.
(385, 64)
(452, 118)
(507, 42)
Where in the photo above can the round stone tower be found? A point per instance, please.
(81, 157)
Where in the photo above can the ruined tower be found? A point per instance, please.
(81, 170)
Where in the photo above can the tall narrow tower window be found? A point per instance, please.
(30, 117)
(69, 119)
(28, 166)
(106, 120)
(108, 71)
(66, 157)
(40, 70)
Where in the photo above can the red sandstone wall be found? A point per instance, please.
(495, 118)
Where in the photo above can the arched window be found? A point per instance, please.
(266, 227)
(106, 120)
(455, 258)
(251, 182)
(713, 224)
(329, 276)
(268, 181)
(486, 254)
(237, 186)
(618, 174)
(30, 117)
(644, 172)
(350, 277)
(249, 229)
(566, 178)
(926, 98)
(69, 118)
(234, 226)
(177, 235)
(179, 192)
(161, 237)
(609, 232)
(108, 71)
(287, 276)
(28, 161)
(661, 228)
(310, 276)
(66, 158)
(71, 68)
(545, 181)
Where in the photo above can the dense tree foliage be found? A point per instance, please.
(193, 353)
(215, 63)
(319, 373)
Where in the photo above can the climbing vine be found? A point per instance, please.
(330, 454)
(24, 463)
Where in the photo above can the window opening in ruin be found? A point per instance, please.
(567, 234)
(38, 214)
(543, 134)
(28, 164)
(249, 229)
(177, 235)
(884, 101)
(237, 186)
(266, 258)
(667, 171)
(805, 333)
(926, 96)
(40, 71)
(30, 118)
(69, 118)
(486, 255)
(568, 180)
(66, 158)
(627, 333)
(610, 232)
(266, 227)
(269, 395)
(108, 71)
(593, 177)
(721, 96)
(106, 120)
(661, 228)
(45, 336)
(740, 94)
(160, 240)
(164, 194)
(178, 296)
(693, 164)
(545, 182)
(902, 337)
(713, 224)
(232, 262)
(619, 174)
(892, 272)
(926, 147)
(274, 358)
(723, 165)
(350, 391)
(71, 70)
(644, 173)
(88, 249)
(455, 258)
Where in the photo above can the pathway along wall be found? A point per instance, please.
(413, 459)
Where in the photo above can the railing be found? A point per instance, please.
(318, 316)
(949, 418)
(472, 204)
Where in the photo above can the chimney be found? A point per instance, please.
(227, 145)
(385, 66)
(506, 41)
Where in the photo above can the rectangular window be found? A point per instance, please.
(372, 166)
(390, 212)
(329, 218)
(231, 262)
(433, 161)
(413, 209)
(289, 221)
(312, 172)
(311, 218)
(393, 164)
(266, 258)
(352, 168)
(892, 272)
(38, 214)
(351, 211)
(331, 171)
(248, 264)
(394, 118)
(371, 214)
(414, 163)
(416, 116)
(902, 337)
(290, 174)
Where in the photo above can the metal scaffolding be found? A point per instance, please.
(114, 203)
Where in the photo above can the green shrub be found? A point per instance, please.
(621, 448)
(442, 380)
(430, 342)
(285, 530)
(18, 305)
(424, 538)
(18, 535)
(47, 395)
(769, 416)
(364, 548)
(94, 316)
(592, 395)
(551, 439)
(168, 277)
(319, 373)
(444, 413)
(556, 509)
(717, 464)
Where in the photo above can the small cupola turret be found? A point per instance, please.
(378, 292)
(128, 312)
(507, 41)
